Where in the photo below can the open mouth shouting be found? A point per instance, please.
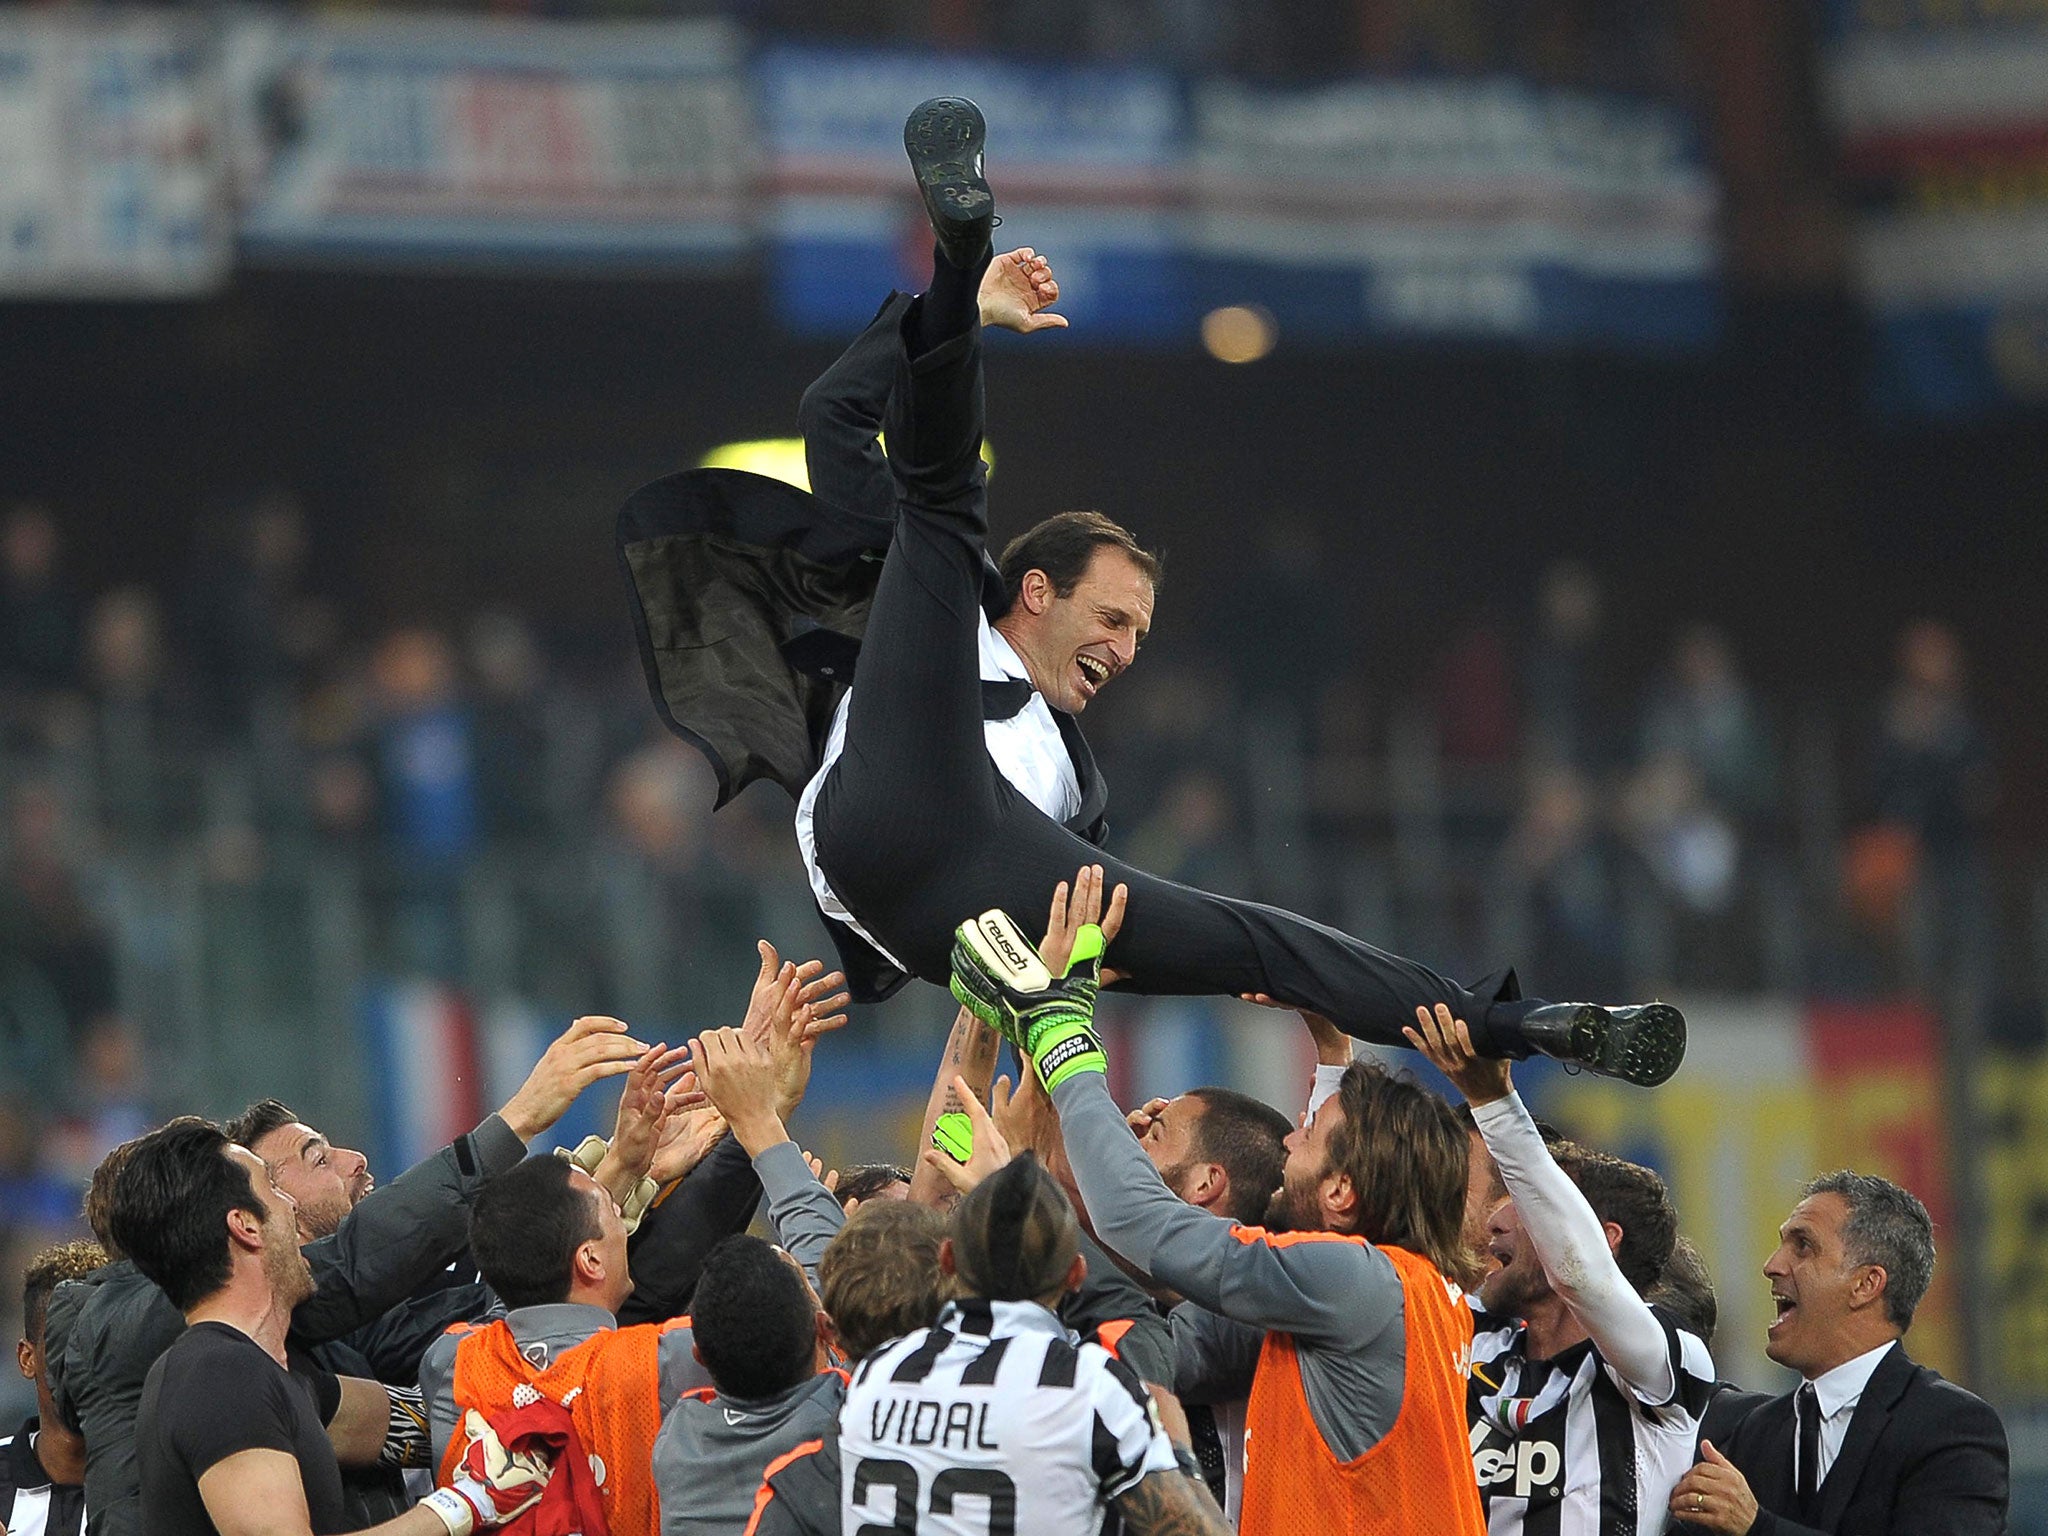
(1786, 1306)
(1094, 673)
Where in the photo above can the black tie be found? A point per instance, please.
(1809, 1448)
(1208, 1448)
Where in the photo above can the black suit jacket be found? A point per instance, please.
(1922, 1457)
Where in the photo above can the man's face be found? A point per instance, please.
(286, 1269)
(1170, 1141)
(1080, 641)
(1297, 1205)
(1811, 1280)
(610, 1241)
(326, 1181)
(1483, 1191)
(1518, 1281)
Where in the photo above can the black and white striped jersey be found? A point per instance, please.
(30, 1504)
(1565, 1447)
(995, 1421)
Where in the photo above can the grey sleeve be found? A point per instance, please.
(402, 1235)
(1213, 1358)
(1109, 1296)
(805, 1214)
(1324, 1289)
(437, 1391)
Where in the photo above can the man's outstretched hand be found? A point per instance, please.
(1016, 291)
(591, 1048)
(1447, 1043)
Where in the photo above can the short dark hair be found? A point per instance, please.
(1888, 1227)
(1064, 546)
(99, 1197)
(1014, 1235)
(258, 1121)
(48, 1270)
(525, 1226)
(755, 1322)
(1633, 1198)
(1246, 1137)
(879, 1278)
(171, 1203)
(866, 1180)
(1686, 1291)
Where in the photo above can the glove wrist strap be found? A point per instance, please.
(456, 1512)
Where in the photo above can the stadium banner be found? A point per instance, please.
(1088, 162)
(1487, 208)
(488, 142)
(1940, 113)
(1771, 1094)
(2013, 1101)
(109, 133)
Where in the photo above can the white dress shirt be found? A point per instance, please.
(1838, 1391)
(1027, 748)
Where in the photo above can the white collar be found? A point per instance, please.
(997, 652)
(1843, 1386)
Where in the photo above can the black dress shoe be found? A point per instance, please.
(1641, 1044)
(944, 139)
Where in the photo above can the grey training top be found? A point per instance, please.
(1341, 1301)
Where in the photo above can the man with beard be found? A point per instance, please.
(1584, 1403)
(1342, 1318)
(229, 1438)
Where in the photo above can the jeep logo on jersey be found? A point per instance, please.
(1528, 1465)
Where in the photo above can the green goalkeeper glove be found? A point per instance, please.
(999, 978)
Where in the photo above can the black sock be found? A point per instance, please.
(952, 304)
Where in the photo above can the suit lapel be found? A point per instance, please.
(1888, 1384)
(1088, 821)
(1769, 1430)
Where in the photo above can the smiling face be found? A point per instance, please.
(326, 1181)
(1300, 1204)
(1072, 646)
(1829, 1309)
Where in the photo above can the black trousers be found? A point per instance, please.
(918, 831)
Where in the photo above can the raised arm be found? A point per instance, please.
(1569, 1238)
(969, 1057)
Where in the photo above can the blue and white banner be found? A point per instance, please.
(1088, 162)
(621, 146)
(1940, 113)
(110, 141)
(1479, 208)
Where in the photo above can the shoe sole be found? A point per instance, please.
(944, 140)
(1645, 1048)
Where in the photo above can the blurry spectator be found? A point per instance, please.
(242, 608)
(54, 950)
(1561, 687)
(138, 729)
(1933, 791)
(1560, 855)
(1704, 715)
(537, 744)
(38, 609)
(1475, 690)
(108, 1102)
(1705, 774)
(425, 750)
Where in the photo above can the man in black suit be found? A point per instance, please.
(1870, 1443)
(754, 603)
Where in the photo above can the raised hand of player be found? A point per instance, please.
(1017, 290)
(792, 1007)
(643, 1108)
(1071, 912)
(991, 1147)
(591, 1048)
(1447, 1044)
(739, 1075)
(687, 1137)
(1028, 1122)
